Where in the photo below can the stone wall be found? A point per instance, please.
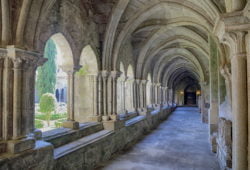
(90, 154)
(224, 143)
(224, 136)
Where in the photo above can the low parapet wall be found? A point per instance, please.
(87, 152)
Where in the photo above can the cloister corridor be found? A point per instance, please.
(180, 142)
(124, 84)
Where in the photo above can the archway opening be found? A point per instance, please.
(121, 90)
(86, 87)
(190, 95)
(51, 98)
(129, 93)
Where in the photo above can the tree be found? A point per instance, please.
(47, 105)
(46, 75)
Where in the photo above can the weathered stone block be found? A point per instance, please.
(113, 125)
(17, 146)
(95, 118)
(3, 147)
(71, 124)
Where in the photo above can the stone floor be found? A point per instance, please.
(179, 143)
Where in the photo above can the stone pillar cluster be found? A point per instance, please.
(109, 95)
(17, 72)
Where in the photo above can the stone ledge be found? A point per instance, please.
(78, 144)
(62, 136)
(134, 120)
(17, 146)
(128, 116)
(155, 112)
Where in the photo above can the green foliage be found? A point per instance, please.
(47, 105)
(39, 124)
(46, 75)
(59, 123)
(83, 71)
(54, 116)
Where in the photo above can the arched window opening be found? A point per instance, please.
(51, 108)
(149, 89)
(129, 91)
(121, 90)
(86, 86)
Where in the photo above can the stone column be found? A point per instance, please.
(1, 95)
(96, 103)
(137, 95)
(110, 119)
(158, 94)
(71, 123)
(17, 89)
(248, 89)
(124, 94)
(152, 94)
(105, 115)
(202, 101)
(214, 93)
(18, 104)
(171, 97)
(144, 85)
(95, 95)
(239, 103)
(134, 91)
(114, 75)
(141, 94)
(155, 94)
(99, 95)
(7, 102)
(141, 87)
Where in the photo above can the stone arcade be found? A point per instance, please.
(146, 57)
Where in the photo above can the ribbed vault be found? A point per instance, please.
(169, 39)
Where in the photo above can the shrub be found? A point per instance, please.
(58, 116)
(54, 116)
(39, 124)
(47, 105)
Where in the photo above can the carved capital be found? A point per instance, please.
(24, 58)
(3, 53)
(104, 73)
(115, 74)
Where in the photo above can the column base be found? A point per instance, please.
(95, 118)
(105, 118)
(114, 117)
(17, 146)
(71, 124)
(3, 147)
(213, 129)
(113, 125)
(37, 134)
(143, 111)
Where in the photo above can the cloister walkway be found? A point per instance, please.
(181, 142)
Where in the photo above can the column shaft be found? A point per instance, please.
(17, 107)
(99, 97)
(7, 99)
(71, 75)
(239, 111)
(104, 79)
(1, 98)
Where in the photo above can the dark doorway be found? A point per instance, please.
(190, 98)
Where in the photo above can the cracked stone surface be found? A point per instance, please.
(181, 142)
